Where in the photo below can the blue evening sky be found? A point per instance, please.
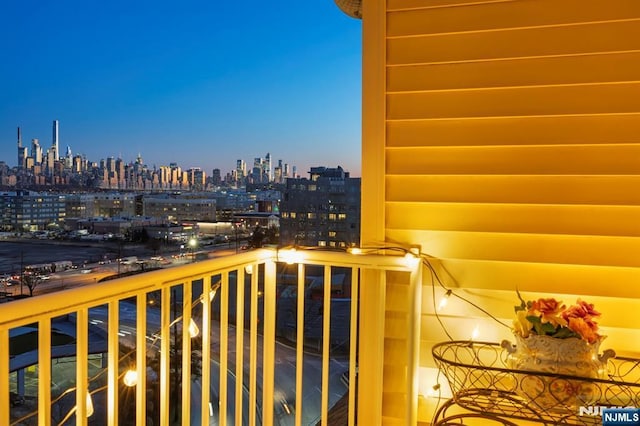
(200, 83)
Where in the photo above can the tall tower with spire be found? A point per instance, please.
(22, 151)
(56, 150)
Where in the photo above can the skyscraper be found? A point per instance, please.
(22, 151)
(56, 150)
(36, 151)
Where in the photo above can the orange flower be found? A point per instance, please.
(581, 309)
(585, 328)
(549, 310)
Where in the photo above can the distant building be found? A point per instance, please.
(322, 210)
(176, 208)
(31, 211)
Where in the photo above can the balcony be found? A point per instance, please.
(114, 353)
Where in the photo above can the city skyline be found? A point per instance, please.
(37, 153)
(202, 86)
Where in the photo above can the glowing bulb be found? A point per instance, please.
(193, 328)
(130, 378)
(444, 300)
(475, 333)
(291, 256)
(411, 260)
(434, 390)
(248, 269)
(89, 405)
(355, 250)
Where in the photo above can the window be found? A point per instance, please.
(293, 215)
(342, 216)
(322, 243)
(311, 215)
(332, 216)
(332, 233)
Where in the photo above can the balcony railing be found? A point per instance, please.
(270, 337)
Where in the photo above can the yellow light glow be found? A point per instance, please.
(355, 250)
(411, 260)
(130, 378)
(291, 256)
(193, 328)
(475, 333)
(248, 269)
(444, 300)
(89, 406)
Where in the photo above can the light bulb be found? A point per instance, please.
(475, 333)
(89, 405)
(248, 269)
(411, 260)
(444, 300)
(130, 378)
(193, 328)
(355, 250)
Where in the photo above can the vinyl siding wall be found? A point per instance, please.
(509, 137)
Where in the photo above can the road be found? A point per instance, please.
(285, 372)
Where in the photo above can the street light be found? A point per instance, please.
(192, 245)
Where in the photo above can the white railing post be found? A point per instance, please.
(224, 347)
(413, 341)
(44, 372)
(371, 347)
(239, 344)
(165, 353)
(268, 341)
(300, 341)
(112, 362)
(326, 343)
(82, 375)
(206, 352)
(141, 358)
(4, 377)
(186, 352)
(353, 345)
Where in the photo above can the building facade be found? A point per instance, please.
(322, 210)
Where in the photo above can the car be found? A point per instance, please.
(13, 282)
(85, 271)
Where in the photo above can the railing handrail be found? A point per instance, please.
(21, 312)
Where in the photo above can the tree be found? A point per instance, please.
(31, 281)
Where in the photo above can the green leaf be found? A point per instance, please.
(523, 304)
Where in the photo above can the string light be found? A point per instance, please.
(193, 328)
(130, 378)
(475, 333)
(444, 300)
(249, 269)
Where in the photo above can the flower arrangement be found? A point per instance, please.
(550, 317)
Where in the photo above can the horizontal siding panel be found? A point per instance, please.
(531, 189)
(543, 160)
(548, 41)
(516, 218)
(416, 4)
(561, 249)
(527, 13)
(508, 102)
(516, 72)
(552, 278)
(565, 129)
(616, 312)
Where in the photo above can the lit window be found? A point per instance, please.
(342, 216)
(332, 233)
(332, 243)
(285, 215)
(332, 216)
(293, 215)
(322, 243)
(312, 187)
(311, 215)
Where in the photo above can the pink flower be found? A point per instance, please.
(581, 309)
